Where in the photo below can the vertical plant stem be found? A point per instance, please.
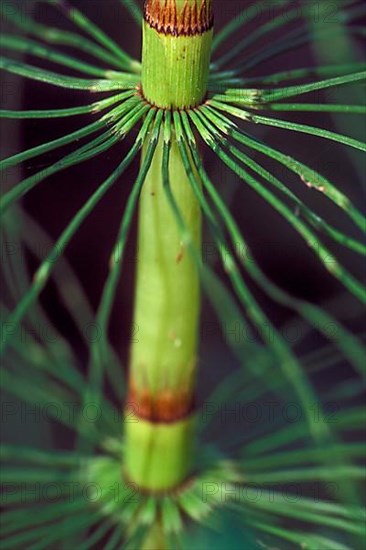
(159, 442)
(164, 354)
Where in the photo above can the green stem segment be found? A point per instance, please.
(163, 355)
(159, 444)
(159, 455)
(179, 64)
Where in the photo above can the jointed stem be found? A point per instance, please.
(167, 304)
(163, 356)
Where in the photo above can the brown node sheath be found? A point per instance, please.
(196, 16)
(166, 405)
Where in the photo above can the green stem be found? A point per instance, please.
(180, 64)
(164, 453)
(160, 443)
(164, 352)
(163, 356)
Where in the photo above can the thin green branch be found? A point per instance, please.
(43, 272)
(316, 221)
(134, 10)
(303, 457)
(94, 539)
(38, 391)
(291, 510)
(242, 388)
(39, 359)
(30, 47)
(292, 370)
(306, 72)
(256, 358)
(51, 113)
(273, 339)
(36, 386)
(291, 43)
(327, 259)
(73, 296)
(69, 530)
(349, 511)
(273, 24)
(314, 315)
(53, 35)
(319, 473)
(301, 36)
(95, 147)
(253, 96)
(17, 520)
(302, 128)
(117, 112)
(72, 524)
(90, 150)
(114, 542)
(40, 457)
(126, 81)
(54, 351)
(302, 539)
(85, 24)
(16, 282)
(51, 145)
(241, 20)
(72, 111)
(116, 258)
(292, 39)
(223, 80)
(310, 177)
(316, 108)
(99, 357)
(353, 419)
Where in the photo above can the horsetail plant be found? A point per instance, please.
(172, 477)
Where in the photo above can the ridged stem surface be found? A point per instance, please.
(163, 358)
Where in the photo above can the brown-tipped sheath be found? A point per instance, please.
(193, 17)
(167, 405)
